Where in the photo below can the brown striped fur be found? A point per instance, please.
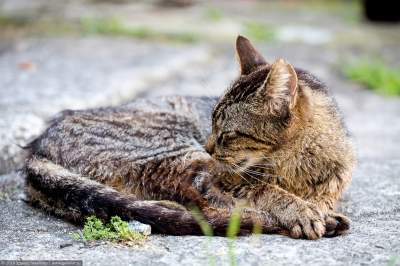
(276, 147)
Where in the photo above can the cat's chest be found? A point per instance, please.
(240, 184)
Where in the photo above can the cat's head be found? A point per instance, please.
(258, 112)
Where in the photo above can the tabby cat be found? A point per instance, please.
(274, 146)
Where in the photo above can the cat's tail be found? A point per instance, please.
(73, 197)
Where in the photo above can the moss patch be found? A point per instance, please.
(116, 230)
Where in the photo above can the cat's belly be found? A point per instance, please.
(141, 148)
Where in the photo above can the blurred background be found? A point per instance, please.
(72, 54)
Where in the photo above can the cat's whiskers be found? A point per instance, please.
(253, 172)
(236, 172)
(262, 166)
(249, 172)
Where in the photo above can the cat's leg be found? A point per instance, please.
(302, 218)
(325, 197)
(337, 223)
(74, 197)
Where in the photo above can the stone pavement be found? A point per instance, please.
(41, 76)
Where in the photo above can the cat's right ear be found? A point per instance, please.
(280, 87)
(249, 57)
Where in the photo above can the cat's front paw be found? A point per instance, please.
(336, 224)
(304, 220)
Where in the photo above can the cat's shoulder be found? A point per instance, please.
(312, 81)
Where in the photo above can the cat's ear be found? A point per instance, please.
(280, 86)
(249, 57)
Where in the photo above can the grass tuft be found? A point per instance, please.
(114, 27)
(116, 230)
(213, 14)
(232, 231)
(259, 31)
(234, 224)
(92, 26)
(204, 225)
(14, 21)
(376, 76)
(207, 231)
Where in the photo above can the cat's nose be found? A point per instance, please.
(210, 146)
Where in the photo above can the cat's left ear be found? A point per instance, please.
(280, 86)
(249, 57)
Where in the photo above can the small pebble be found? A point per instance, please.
(144, 229)
(66, 244)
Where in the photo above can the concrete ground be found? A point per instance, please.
(41, 75)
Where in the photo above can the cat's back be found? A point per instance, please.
(141, 130)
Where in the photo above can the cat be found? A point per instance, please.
(274, 146)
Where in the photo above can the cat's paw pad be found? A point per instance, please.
(309, 223)
(336, 224)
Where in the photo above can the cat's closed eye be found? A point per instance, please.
(221, 140)
(251, 137)
(225, 137)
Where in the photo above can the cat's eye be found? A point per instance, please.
(224, 137)
(220, 139)
(255, 139)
